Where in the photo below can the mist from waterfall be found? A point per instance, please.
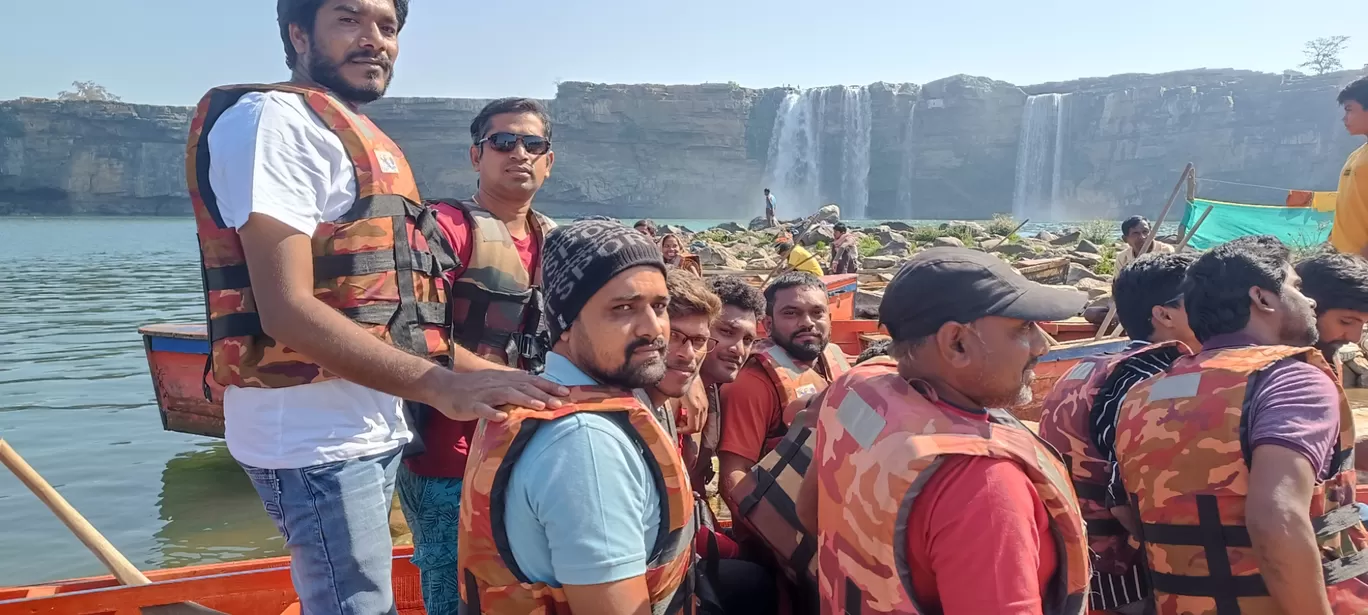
(1040, 159)
(905, 173)
(807, 144)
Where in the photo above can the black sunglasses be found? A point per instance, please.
(506, 141)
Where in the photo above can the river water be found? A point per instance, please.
(76, 401)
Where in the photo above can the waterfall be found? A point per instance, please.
(819, 151)
(855, 125)
(1040, 159)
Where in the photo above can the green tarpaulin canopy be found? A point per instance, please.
(1298, 227)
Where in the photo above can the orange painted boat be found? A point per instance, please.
(253, 587)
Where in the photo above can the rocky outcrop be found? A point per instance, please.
(946, 149)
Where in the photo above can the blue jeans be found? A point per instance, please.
(335, 520)
(432, 507)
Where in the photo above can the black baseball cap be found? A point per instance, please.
(942, 285)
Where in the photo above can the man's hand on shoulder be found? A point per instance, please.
(477, 395)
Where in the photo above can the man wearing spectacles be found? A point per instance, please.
(495, 306)
(692, 310)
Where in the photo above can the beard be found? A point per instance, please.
(804, 351)
(1299, 328)
(329, 75)
(646, 373)
(1007, 397)
(1329, 350)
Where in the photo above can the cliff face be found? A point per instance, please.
(961, 147)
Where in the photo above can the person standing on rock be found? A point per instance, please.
(1078, 418)
(1134, 230)
(1349, 234)
(797, 361)
(586, 508)
(1338, 283)
(1238, 460)
(926, 494)
(770, 220)
(496, 309)
(845, 251)
(302, 203)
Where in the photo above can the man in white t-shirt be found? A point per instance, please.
(323, 455)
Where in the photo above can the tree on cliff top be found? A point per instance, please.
(1322, 54)
(87, 90)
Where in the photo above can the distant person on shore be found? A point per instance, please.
(1338, 283)
(797, 258)
(1133, 232)
(672, 249)
(646, 227)
(496, 318)
(597, 510)
(307, 332)
(845, 251)
(1350, 231)
(770, 219)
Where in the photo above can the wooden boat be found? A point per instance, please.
(253, 587)
(1045, 270)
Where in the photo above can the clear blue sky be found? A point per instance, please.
(171, 51)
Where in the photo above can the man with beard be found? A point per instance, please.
(926, 494)
(496, 317)
(735, 331)
(1338, 283)
(289, 185)
(586, 508)
(796, 362)
(1242, 453)
(1078, 418)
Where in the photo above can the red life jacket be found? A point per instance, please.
(793, 382)
(1183, 455)
(380, 264)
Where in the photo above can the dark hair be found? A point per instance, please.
(877, 348)
(1131, 223)
(732, 290)
(783, 247)
(840, 227)
(690, 296)
(1335, 281)
(647, 222)
(482, 122)
(766, 189)
(1356, 91)
(1216, 289)
(304, 13)
(792, 279)
(1149, 281)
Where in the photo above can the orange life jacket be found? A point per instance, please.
(496, 305)
(1065, 424)
(491, 581)
(878, 441)
(380, 264)
(793, 382)
(1183, 455)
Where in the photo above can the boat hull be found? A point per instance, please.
(255, 587)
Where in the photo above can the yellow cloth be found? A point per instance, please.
(1350, 232)
(799, 259)
(1324, 201)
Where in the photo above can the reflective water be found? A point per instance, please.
(77, 403)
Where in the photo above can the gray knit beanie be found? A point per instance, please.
(579, 258)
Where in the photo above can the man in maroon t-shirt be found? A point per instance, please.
(511, 151)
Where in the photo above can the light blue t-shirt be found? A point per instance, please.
(582, 505)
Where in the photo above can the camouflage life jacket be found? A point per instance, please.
(767, 504)
(878, 441)
(1066, 424)
(496, 305)
(1183, 455)
(380, 264)
(793, 382)
(491, 581)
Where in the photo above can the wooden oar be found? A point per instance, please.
(123, 570)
